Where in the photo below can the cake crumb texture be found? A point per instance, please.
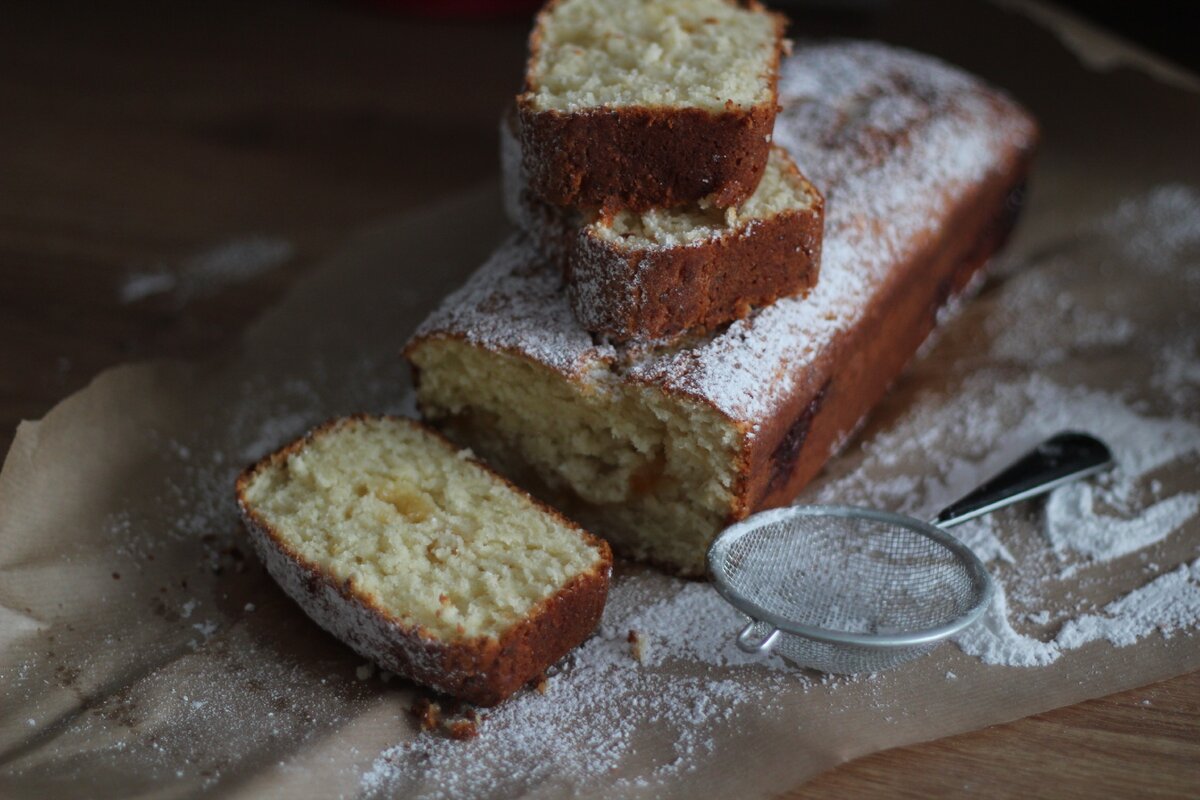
(649, 104)
(421, 558)
(710, 54)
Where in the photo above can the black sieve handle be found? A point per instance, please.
(1062, 458)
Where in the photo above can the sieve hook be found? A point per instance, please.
(747, 644)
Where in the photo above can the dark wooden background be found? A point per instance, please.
(135, 135)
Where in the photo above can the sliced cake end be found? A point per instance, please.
(661, 273)
(421, 559)
(649, 103)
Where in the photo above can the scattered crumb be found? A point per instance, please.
(454, 721)
(636, 645)
(427, 712)
(465, 728)
(364, 671)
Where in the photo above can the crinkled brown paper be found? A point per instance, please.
(144, 652)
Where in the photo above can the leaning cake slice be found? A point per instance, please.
(659, 273)
(649, 103)
(421, 559)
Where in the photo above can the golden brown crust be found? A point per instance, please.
(658, 293)
(643, 158)
(640, 158)
(481, 670)
(853, 376)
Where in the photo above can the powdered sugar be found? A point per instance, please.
(1168, 604)
(515, 303)
(994, 641)
(208, 272)
(984, 542)
(1072, 512)
(1177, 372)
(1167, 246)
(624, 699)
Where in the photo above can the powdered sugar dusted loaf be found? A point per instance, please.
(658, 273)
(658, 448)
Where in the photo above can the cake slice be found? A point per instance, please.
(649, 103)
(658, 273)
(421, 559)
(659, 448)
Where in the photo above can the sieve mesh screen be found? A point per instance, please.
(848, 571)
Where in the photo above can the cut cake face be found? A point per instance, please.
(422, 559)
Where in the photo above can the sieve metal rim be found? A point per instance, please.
(718, 552)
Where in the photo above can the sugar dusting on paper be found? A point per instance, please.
(208, 272)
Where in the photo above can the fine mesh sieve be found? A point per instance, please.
(843, 589)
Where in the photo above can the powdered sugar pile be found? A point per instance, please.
(1168, 604)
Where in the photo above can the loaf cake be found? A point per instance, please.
(657, 273)
(649, 103)
(659, 448)
(421, 559)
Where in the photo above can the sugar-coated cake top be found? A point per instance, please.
(699, 53)
(890, 137)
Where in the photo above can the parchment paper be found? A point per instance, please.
(144, 652)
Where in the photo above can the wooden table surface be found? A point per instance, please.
(134, 139)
